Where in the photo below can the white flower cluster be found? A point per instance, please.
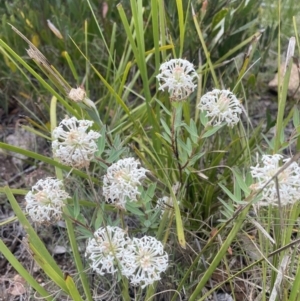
(177, 75)
(45, 201)
(141, 260)
(221, 106)
(106, 249)
(288, 181)
(148, 260)
(121, 182)
(73, 145)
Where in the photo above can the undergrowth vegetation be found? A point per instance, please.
(162, 185)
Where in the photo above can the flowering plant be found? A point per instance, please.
(45, 201)
(276, 186)
(72, 144)
(122, 180)
(149, 191)
(221, 106)
(107, 249)
(177, 75)
(142, 260)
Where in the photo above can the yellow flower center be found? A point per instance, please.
(73, 137)
(145, 261)
(41, 197)
(223, 103)
(122, 174)
(177, 72)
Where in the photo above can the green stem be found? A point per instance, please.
(69, 224)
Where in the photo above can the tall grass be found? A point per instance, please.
(116, 57)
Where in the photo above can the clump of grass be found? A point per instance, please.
(164, 156)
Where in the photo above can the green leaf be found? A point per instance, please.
(130, 206)
(15, 191)
(218, 17)
(166, 127)
(251, 81)
(195, 158)
(149, 194)
(72, 288)
(166, 137)
(192, 130)
(203, 118)
(178, 114)
(229, 208)
(76, 209)
(163, 107)
(66, 55)
(240, 181)
(99, 218)
(189, 146)
(231, 195)
(147, 223)
(212, 130)
(183, 146)
(180, 12)
(114, 155)
(244, 27)
(47, 267)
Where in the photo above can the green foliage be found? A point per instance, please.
(203, 168)
(95, 38)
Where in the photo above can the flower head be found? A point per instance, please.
(73, 145)
(177, 76)
(221, 106)
(122, 180)
(288, 181)
(146, 262)
(107, 249)
(45, 201)
(77, 95)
